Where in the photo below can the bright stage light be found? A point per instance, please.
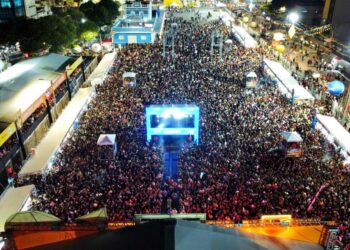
(293, 17)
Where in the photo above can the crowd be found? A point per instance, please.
(239, 170)
(8, 145)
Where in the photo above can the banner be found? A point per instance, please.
(6, 134)
(74, 66)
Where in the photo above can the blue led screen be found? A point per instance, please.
(172, 120)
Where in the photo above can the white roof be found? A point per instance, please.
(292, 137)
(12, 202)
(252, 74)
(340, 134)
(129, 74)
(25, 82)
(102, 69)
(106, 139)
(244, 38)
(288, 81)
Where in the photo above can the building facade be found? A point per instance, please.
(140, 24)
(23, 8)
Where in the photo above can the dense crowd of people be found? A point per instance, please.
(238, 171)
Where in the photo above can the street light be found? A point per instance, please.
(83, 20)
(293, 17)
(53, 93)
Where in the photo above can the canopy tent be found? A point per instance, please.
(129, 74)
(288, 82)
(106, 139)
(243, 37)
(292, 137)
(101, 71)
(252, 74)
(339, 133)
(109, 146)
(98, 215)
(251, 80)
(22, 84)
(30, 217)
(12, 201)
(129, 79)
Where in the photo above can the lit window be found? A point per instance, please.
(5, 4)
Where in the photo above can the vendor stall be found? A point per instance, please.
(107, 146)
(292, 144)
(129, 79)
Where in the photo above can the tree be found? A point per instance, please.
(60, 32)
(102, 13)
(112, 7)
(87, 31)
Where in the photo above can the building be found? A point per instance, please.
(336, 13)
(33, 93)
(140, 24)
(23, 8)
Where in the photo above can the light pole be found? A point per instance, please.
(293, 18)
(53, 93)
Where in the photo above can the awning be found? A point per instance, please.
(31, 217)
(244, 38)
(129, 75)
(102, 69)
(12, 201)
(23, 85)
(98, 215)
(339, 133)
(287, 80)
(292, 137)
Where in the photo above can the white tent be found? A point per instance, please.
(292, 137)
(243, 37)
(101, 71)
(252, 74)
(106, 140)
(288, 82)
(129, 74)
(339, 133)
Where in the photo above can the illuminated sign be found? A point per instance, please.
(172, 120)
